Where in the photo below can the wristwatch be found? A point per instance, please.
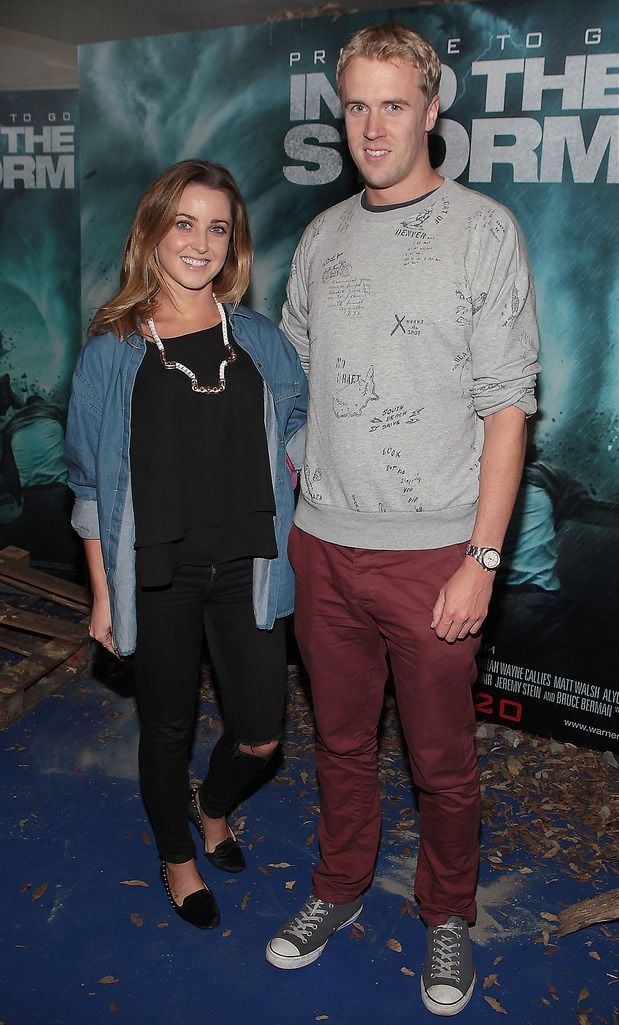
(488, 558)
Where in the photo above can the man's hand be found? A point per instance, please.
(462, 603)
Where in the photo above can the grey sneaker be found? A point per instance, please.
(448, 973)
(303, 937)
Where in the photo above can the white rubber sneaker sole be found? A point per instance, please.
(446, 1010)
(301, 960)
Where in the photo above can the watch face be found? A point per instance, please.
(491, 558)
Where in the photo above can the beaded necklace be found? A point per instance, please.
(172, 364)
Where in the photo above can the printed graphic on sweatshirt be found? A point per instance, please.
(421, 244)
(407, 230)
(307, 241)
(421, 248)
(336, 267)
(406, 324)
(353, 398)
(354, 502)
(417, 229)
(316, 225)
(528, 346)
(485, 219)
(349, 295)
(421, 253)
(346, 218)
(413, 224)
(312, 480)
(512, 307)
(462, 368)
(407, 482)
(468, 306)
(430, 215)
(394, 416)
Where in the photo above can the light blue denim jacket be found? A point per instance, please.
(97, 455)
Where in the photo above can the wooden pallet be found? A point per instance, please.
(52, 649)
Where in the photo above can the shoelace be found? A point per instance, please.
(308, 919)
(445, 950)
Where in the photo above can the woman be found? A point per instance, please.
(183, 402)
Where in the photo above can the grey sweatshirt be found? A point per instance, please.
(412, 324)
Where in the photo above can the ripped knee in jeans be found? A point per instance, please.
(264, 751)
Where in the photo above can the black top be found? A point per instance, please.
(200, 475)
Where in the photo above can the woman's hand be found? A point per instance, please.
(100, 626)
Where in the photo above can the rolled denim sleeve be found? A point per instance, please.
(81, 443)
(85, 519)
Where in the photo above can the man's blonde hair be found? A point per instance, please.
(394, 41)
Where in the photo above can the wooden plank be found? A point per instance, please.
(48, 684)
(17, 554)
(18, 642)
(23, 674)
(34, 581)
(47, 663)
(14, 706)
(77, 607)
(32, 622)
(41, 593)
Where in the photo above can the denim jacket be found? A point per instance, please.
(97, 455)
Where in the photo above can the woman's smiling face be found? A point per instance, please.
(194, 250)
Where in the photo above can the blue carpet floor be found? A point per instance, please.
(89, 939)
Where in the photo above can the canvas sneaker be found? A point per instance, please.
(448, 973)
(303, 937)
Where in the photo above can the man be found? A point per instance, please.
(412, 309)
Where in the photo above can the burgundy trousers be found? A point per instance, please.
(357, 611)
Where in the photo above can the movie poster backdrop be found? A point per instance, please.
(40, 330)
(529, 102)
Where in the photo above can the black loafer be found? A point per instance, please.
(227, 855)
(199, 908)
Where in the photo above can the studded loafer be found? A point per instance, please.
(199, 908)
(227, 855)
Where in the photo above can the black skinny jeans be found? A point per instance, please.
(250, 665)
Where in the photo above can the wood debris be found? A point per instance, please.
(603, 908)
(43, 639)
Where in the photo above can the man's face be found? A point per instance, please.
(387, 120)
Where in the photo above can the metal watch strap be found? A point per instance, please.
(478, 553)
